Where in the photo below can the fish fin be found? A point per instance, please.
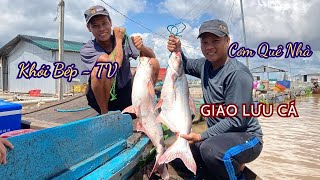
(159, 104)
(159, 119)
(139, 126)
(129, 109)
(161, 168)
(192, 106)
(180, 149)
(137, 110)
(151, 89)
(172, 77)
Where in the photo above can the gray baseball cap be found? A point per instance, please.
(216, 27)
(94, 11)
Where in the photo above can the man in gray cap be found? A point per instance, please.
(229, 142)
(108, 47)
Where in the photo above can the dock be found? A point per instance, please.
(47, 116)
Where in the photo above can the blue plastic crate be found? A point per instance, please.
(10, 116)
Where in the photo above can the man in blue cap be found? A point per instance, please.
(110, 47)
(229, 142)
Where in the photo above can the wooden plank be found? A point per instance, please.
(49, 114)
(120, 166)
(38, 124)
(49, 152)
(90, 164)
(52, 104)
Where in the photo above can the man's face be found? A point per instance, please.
(100, 26)
(213, 47)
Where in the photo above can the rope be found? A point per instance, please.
(113, 87)
(174, 29)
(73, 110)
(113, 94)
(136, 22)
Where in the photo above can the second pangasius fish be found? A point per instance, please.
(143, 103)
(176, 107)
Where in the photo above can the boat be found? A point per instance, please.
(100, 147)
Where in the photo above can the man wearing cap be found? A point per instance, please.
(229, 142)
(108, 47)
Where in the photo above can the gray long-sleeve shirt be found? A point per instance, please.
(230, 84)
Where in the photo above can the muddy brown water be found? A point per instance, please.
(291, 145)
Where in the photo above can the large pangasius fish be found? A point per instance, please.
(143, 104)
(176, 107)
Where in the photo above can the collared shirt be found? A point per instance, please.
(91, 51)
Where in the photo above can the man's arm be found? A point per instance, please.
(238, 91)
(91, 53)
(144, 50)
(191, 66)
(118, 51)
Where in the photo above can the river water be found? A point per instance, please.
(291, 145)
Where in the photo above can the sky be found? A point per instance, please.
(274, 21)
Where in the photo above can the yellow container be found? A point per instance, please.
(83, 88)
(80, 88)
(77, 88)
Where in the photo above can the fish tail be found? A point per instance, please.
(161, 168)
(180, 149)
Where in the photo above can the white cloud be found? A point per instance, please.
(190, 44)
(274, 21)
(266, 20)
(35, 17)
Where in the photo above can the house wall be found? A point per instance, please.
(72, 58)
(298, 78)
(25, 51)
(1, 74)
(311, 77)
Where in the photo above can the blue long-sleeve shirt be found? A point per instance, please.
(230, 84)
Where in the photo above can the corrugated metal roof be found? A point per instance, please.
(53, 44)
(42, 42)
(263, 68)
